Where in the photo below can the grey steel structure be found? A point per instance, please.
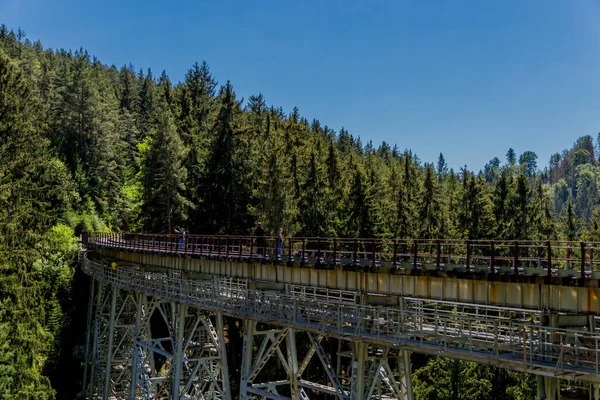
(187, 357)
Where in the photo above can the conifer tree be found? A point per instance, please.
(570, 226)
(276, 206)
(511, 157)
(520, 209)
(501, 206)
(226, 206)
(127, 113)
(429, 213)
(164, 174)
(406, 204)
(475, 214)
(357, 215)
(373, 225)
(31, 197)
(314, 215)
(335, 184)
(442, 167)
(145, 106)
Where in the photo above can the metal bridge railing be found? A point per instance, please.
(508, 337)
(550, 258)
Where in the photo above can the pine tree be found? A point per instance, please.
(164, 174)
(197, 106)
(541, 215)
(145, 106)
(429, 213)
(528, 161)
(127, 114)
(31, 198)
(227, 193)
(442, 167)
(314, 215)
(570, 226)
(475, 213)
(276, 206)
(357, 210)
(501, 206)
(511, 157)
(520, 209)
(373, 224)
(335, 185)
(406, 204)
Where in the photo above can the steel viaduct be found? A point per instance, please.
(525, 306)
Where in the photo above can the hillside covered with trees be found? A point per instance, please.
(86, 146)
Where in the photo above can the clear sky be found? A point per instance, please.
(466, 78)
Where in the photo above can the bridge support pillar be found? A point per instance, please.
(548, 388)
(199, 362)
(89, 342)
(363, 371)
(226, 395)
(292, 359)
(109, 353)
(358, 371)
(371, 365)
(144, 347)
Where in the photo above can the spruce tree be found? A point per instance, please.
(164, 174)
(521, 209)
(227, 192)
(511, 157)
(313, 204)
(357, 210)
(406, 200)
(335, 185)
(570, 224)
(442, 167)
(501, 206)
(429, 213)
(31, 198)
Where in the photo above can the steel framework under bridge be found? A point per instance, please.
(127, 357)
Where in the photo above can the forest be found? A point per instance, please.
(88, 146)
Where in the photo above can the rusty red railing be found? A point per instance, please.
(551, 258)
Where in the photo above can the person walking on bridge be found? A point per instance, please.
(279, 242)
(260, 232)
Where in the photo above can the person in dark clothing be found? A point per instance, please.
(279, 242)
(260, 232)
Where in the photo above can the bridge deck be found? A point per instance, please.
(384, 282)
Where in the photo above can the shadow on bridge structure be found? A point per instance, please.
(155, 327)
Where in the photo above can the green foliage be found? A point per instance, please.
(528, 161)
(30, 199)
(164, 175)
(448, 379)
(85, 146)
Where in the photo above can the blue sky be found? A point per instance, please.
(466, 78)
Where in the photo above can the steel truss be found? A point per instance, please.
(361, 372)
(372, 360)
(144, 347)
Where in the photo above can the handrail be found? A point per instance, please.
(493, 256)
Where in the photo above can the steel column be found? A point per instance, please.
(111, 332)
(292, 359)
(358, 371)
(88, 339)
(223, 350)
(135, 359)
(180, 310)
(406, 377)
(248, 340)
